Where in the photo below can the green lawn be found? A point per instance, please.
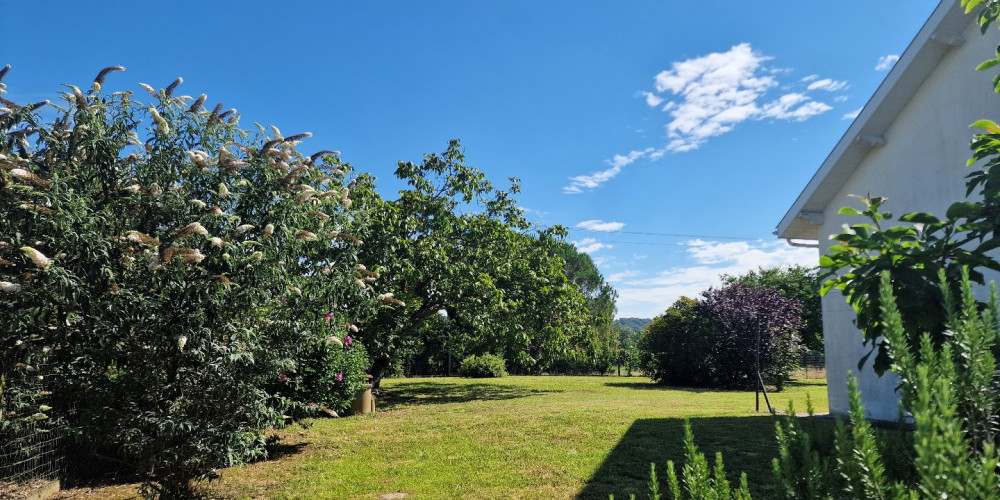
(516, 437)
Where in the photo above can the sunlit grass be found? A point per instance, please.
(516, 437)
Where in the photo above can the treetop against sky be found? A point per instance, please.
(669, 136)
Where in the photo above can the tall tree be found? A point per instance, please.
(452, 242)
(799, 283)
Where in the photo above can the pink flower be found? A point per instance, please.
(328, 317)
(312, 405)
(282, 378)
(348, 340)
(284, 299)
(340, 376)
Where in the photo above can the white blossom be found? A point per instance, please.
(37, 257)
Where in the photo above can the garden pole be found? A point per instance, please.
(759, 383)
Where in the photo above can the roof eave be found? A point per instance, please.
(942, 32)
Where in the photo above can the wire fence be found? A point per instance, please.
(31, 452)
(812, 365)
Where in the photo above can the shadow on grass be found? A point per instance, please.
(278, 450)
(652, 386)
(649, 385)
(423, 393)
(747, 444)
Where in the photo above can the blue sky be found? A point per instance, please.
(698, 122)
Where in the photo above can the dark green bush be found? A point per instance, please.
(484, 366)
(714, 341)
(675, 346)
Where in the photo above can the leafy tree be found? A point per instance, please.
(168, 268)
(913, 256)
(452, 242)
(579, 267)
(634, 324)
(799, 283)
(714, 341)
(629, 355)
(750, 323)
(677, 345)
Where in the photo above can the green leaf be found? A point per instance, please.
(920, 218)
(962, 209)
(985, 124)
(987, 64)
(848, 211)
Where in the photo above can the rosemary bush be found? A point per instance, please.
(949, 392)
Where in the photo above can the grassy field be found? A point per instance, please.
(517, 437)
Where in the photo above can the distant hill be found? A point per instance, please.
(635, 324)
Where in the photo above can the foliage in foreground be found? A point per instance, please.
(167, 273)
(484, 366)
(714, 341)
(914, 254)
(950, 394)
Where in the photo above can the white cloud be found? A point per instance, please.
(581, 182)
(886, 62)
(652, 100)
(717, 92)
(650, 296)
(828, 85)
(600, 225)
(796, 107)
(622, 275)
(711, 95)
(590, 245)
(840, 98)
(853, 114)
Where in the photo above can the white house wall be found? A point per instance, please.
(920, 168)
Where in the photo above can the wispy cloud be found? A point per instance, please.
(652, 100)
(652, 295)
(579, 183)
(590, 245)
(828, 84)
(886, 62)
(615, 277)
(853, 114)
(710, 95)
(794, 107)
(600, 225)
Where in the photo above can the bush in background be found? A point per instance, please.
(483, 366)
(676, 347)
(714, 341)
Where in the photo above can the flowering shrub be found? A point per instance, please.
(331, 373)
(170, 266)
(485, 366)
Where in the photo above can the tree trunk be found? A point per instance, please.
(379, 367)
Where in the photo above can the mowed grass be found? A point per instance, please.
(516, 437)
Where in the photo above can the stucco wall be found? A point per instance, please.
(920, 168)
